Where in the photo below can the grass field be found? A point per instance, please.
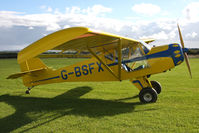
(102, 107)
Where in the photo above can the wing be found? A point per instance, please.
(76, 38)
(94, 39)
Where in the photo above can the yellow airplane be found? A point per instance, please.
(114, 58)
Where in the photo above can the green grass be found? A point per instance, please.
(101, 107)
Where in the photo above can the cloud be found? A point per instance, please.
(96, 10)
(146, 9)
(191, 35)
(9, 19)
(18, 30)
(52, 20)
(191, 12)
(31, 28)
(162, 35)
(46, 8)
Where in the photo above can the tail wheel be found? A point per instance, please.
(148, 95)
(157, 86)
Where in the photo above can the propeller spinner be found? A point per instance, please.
(184, 51)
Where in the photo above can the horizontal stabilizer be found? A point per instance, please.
(20, 74)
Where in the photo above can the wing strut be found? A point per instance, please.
(107, 67)
(119, 58)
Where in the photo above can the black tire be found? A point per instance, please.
(27, 92)
(148, 95)
(157, 86)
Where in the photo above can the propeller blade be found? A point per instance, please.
(185, 54)
(181, 39)
(188, 65)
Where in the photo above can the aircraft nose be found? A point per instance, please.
(177, 53)
(185, 50)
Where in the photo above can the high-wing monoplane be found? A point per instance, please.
(114, 58)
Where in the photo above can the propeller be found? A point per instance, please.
(184, 52)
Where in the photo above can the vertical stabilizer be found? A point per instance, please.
(32, 64)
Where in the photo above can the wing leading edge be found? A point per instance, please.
(75, 38)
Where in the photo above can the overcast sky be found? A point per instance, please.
(23, 21)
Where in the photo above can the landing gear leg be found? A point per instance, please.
(28, 91)
(148, 90)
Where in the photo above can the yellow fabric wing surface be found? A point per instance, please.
(76, 38)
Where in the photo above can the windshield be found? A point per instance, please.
(133, 58)
(145, 44)
(146, 47)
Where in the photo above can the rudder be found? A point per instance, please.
(32, 64)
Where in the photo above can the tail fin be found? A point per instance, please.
(32, 65)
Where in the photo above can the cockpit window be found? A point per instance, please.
(146, 48)
(133, 58)
(146, 45)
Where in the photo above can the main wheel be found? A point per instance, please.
(148, 95)
(157, 86)
(27, 92)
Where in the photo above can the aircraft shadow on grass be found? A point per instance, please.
(68, 103)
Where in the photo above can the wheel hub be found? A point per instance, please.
(148, 97)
